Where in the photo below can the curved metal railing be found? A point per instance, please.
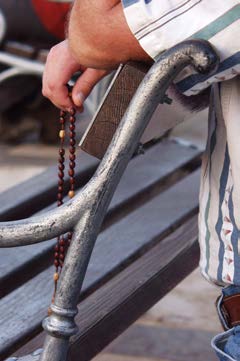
(86, 212)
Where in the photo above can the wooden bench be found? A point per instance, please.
(147, 245)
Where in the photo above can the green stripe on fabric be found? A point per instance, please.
(219, 24)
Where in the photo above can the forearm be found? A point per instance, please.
(99, 39)
(99, 36)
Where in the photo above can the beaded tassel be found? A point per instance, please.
(63, 241)
(72, 151)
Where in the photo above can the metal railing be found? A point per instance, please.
(86, 212)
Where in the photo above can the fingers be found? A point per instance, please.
(58, 95)
(60, 67)
(85, 84)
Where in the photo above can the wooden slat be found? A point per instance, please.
(116, 247)
(143, 179)
(111, 309)
(148, 342)
(32, 195)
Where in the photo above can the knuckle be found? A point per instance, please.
(45, 92)
(52, 51)
(51, 87)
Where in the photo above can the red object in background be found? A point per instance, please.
(52, 15)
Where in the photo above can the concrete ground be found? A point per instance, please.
(180, 327)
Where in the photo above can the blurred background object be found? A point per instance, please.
(30, 26)
(28, 29)
(38, 21)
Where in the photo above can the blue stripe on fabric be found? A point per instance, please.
(221, 23)
(234, 241)
(208, 234)
(127, 3)
(219, 224)
(206, 215)
(194, 79)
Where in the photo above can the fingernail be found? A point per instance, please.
(80, 98)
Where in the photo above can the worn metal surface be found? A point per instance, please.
(32, 357)
(86, 212)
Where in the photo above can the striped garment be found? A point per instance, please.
(161, 24)
(219, 216)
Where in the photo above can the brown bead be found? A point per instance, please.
(55, 276)
(72, 165)
(72, 142)
(59, 203)
(61, 167)
(72, 157)
(61, 242)
(56, 248)
(71, 194)
(61, 120)
(72, 181)
(61, 134)
(56, 263)
(71, 172)
(60, 189)
(72, 134)
(72, 150)
(61, 160)
(61, 257)
(61, 151)
(56, 255)
(72, 127)
(61, 175)
(70, 235)
(62, 113)
(62, 249)
(60, 182)
(59, 196)
(61, 263)
(72, 112)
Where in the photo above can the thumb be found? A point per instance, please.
(85, 84)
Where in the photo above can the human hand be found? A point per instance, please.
(100, 37)
(60, 67)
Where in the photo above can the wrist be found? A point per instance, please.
(101, 37)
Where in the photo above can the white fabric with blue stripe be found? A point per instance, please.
(161, 24)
